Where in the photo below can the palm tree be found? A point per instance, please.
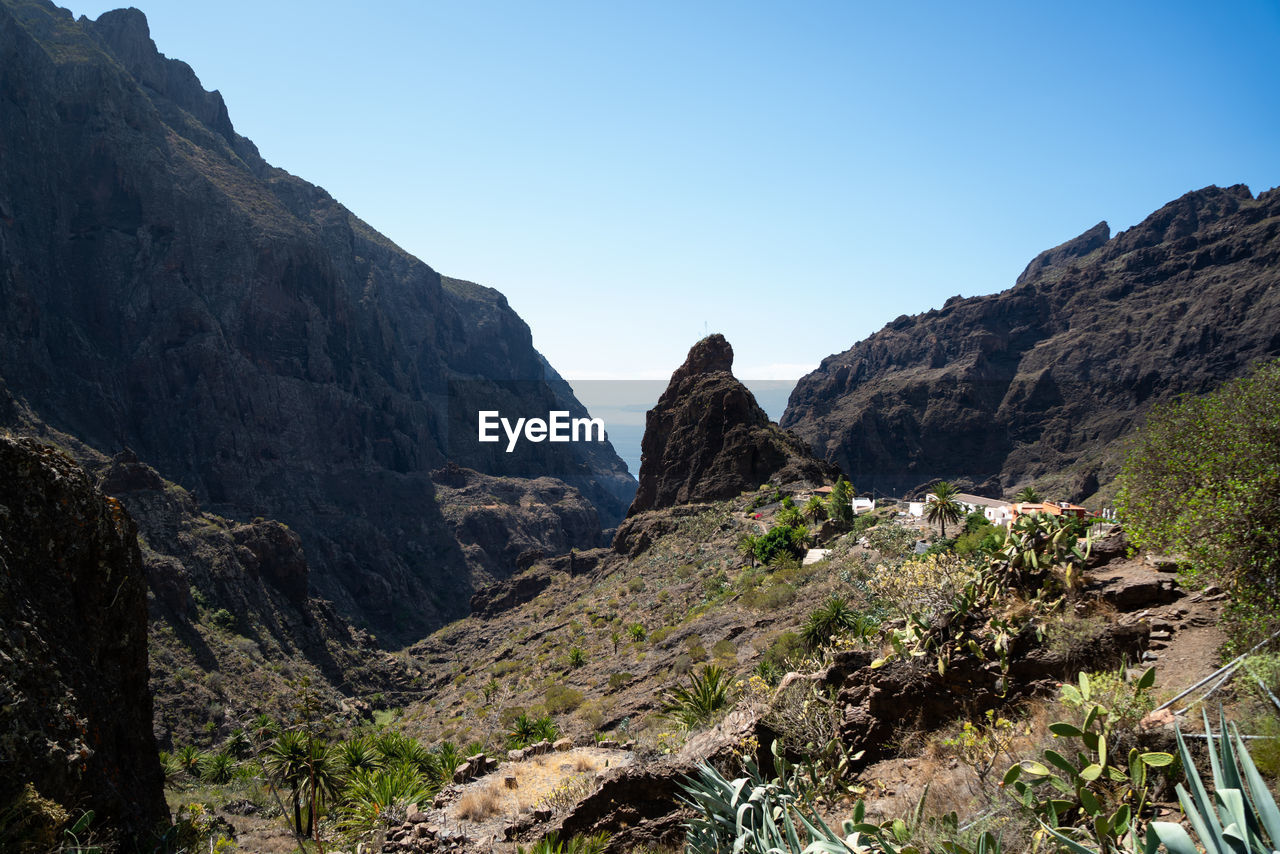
(944, 508)
(748, 545)
(1028, 495)
(309, 768)
(286, 762)
(815, 510)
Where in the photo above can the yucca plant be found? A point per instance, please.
(448, 758)
(359, 754)
(522, 733)
(709, 692)
(218, 767)
(381, 796)
(398, 747)
(545, 729)
(171, 768)
(189, 757)
(834, 617)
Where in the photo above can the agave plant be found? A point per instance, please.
(752, 815)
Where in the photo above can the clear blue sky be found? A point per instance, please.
(793, 175)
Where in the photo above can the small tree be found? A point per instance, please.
(840, 505)
(944, 507)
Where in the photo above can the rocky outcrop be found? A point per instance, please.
(75, 712)
(707, 439)
(874, 699)
(167, 290)
(996, 391)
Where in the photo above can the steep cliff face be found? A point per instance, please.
(75, 712)
(165, 289)
(997, 391)
(707, 439)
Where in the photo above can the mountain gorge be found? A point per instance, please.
(169, 292)
(1041, 383)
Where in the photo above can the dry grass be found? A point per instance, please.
(481, 803)
(537, 780)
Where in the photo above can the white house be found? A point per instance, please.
(997, 512)
(863, 505)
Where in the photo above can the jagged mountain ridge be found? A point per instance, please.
(1001, 390)
(167, 290)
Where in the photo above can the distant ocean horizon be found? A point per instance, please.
(623, 405)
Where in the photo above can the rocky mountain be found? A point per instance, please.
(166, 290)
(707, 439)
(75, 711)
(999, 391)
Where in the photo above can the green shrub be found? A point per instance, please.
(785, 648)
(693, 646)
(725, 650)
(891, 540)
(769, 597)
(561, 699)
(617, 680)
(223, 619)
(1201, 480)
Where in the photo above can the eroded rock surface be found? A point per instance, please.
(75, 711)
(707, 438)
